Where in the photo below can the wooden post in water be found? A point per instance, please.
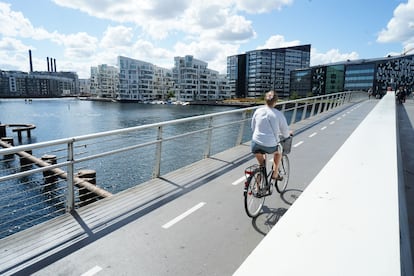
(86, 196)
(62, 174)
(3, 131)
(24, 162)
(8, 141)
(49, 176)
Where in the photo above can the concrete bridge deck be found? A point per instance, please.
(189, 222)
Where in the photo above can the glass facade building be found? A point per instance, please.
(359, 76)
(378, 74)
(251, 74)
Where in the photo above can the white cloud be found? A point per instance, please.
(331, 56)
(278, 41)
(80, 45)
(401, 26)
(262, 6)
(13, 51)
(117, 36)
(17, 24)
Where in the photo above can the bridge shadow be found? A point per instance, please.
(406, 143)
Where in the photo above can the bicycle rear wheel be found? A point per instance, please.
(253, 200)
(284, 169)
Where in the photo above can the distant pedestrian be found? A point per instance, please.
(369, 93)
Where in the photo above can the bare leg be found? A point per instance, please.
(260, 158)
(276, 160)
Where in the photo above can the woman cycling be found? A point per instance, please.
(268, 124)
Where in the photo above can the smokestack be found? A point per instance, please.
(47, 59)
(51, 64)
(54, 63)
(30, 61)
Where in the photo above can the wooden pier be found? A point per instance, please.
(19, 128)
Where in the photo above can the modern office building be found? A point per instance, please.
(193, 81)
(251, 74)
(141, 81)
(377, 74)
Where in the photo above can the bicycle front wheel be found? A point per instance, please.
(284, 169)
(253, 200)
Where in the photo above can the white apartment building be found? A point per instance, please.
(104, 81)
(84, 87)
(142, 81)
(163, 85)
(193, 81)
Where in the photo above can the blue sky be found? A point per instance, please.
(84, 33)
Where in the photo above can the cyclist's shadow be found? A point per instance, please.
(270, 216)
(267, 219)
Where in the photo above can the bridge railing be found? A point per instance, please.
(44, 180)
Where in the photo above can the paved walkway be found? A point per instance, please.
(406, 123)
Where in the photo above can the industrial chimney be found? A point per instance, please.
(30, 61)
(47, 60)
(54, 63)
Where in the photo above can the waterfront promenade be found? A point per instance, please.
(191, 221)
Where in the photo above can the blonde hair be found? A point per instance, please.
(271, 98)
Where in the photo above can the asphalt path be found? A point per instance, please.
(206, 231)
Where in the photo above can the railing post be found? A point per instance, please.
(157, 166)
(209, 136)
(293, 119)
(241, 129)
(320, 105)
(70, 195)
(305, 109)
(327, 103)
(331, 102)
(313, 108)
(343, 98)
(350, 95)
(283, 108)
(338, 100)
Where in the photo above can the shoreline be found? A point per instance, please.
(231, 103)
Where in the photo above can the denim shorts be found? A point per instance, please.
(256, 148)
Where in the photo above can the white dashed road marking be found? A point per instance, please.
(313, 134)
(92, 271)
(183, 215)
(298, 144)
(238, 181)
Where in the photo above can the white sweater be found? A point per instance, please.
(267, 125)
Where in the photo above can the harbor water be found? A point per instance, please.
(70, 117)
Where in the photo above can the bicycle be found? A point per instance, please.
(258, 183)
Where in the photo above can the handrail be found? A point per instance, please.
(148, 144)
